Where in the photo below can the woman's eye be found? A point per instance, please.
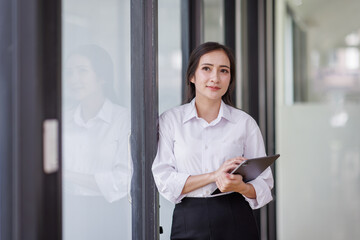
(224, 71)
(206, 68)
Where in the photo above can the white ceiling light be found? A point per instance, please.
(352, 39)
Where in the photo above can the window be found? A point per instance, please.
(96, 120)
(318, 116)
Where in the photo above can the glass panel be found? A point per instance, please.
(214, 21)
(96, 120)
(169, 54)
(318, 120)
(169, 79)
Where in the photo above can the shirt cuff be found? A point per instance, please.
(263, 194)
(173, 188)
(112, 189)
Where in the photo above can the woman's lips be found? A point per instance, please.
(214, 88)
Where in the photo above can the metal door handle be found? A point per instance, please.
(51, 145)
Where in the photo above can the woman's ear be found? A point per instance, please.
(192, 79)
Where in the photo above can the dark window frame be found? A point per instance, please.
(229, 12)
(259, 87)
(192, 33)
(144, 117)
(32, 79)
(6, 119)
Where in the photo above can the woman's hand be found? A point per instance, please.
(198, 181)
(231, 183)
(227, 167)
(227, 182)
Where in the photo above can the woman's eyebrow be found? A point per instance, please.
(213, 65)
(225, 66)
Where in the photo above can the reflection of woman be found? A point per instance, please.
(96, 166)
(199, 143)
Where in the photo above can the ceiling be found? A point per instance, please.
(327, 22)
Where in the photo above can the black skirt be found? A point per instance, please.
(227, 217)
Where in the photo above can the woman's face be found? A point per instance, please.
(212, 76)
(81, 78)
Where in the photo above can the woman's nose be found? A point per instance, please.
(215, 76)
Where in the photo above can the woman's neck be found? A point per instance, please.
(208, 109)
(91, 106)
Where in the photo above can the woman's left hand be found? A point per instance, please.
(232, 183)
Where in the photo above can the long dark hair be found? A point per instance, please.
(193, 65)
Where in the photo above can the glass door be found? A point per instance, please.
(318, 119)
(96, 120)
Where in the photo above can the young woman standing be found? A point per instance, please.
(199, 144)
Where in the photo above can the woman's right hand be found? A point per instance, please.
(227, 167)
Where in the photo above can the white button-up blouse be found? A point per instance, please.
(188, 145)
(99, 148)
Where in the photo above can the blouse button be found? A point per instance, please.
(206, 147)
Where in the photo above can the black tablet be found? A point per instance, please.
(252, 168)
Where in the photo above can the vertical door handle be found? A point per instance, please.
(51, 145)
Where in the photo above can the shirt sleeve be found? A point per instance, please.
(114, 183)
(254, 147)
(169, 181)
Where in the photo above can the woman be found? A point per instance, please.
(199, 144)
(96, 161)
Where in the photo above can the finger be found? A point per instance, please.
(241, 159)
(219, 185)
(235, 160)
(230, 168)
(223, 179)
(226, 183)
(230, 165)
(235, 177)
(227, 164)
(222, 187)
(229, 161)
(230, 176)
(233, 166)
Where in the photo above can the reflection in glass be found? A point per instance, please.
(96, 168)
(96, 123)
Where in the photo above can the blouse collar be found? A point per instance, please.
(104, 114)
(224, 112)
